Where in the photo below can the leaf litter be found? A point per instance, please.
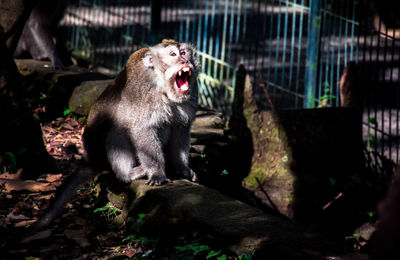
(22, 202)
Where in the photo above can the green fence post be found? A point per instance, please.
(314, 26)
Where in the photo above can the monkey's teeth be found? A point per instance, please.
(190, 73)
(180, 73)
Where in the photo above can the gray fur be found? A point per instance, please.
(140, 122)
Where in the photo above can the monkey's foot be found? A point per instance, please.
(191, 175)
(157, 180)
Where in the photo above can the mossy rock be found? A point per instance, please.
(228, 223)
(300, 154)
(84, 95)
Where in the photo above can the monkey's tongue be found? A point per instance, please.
(184, 87)
(182, 82)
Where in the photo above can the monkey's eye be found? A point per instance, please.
(172, 53)
(182, 52)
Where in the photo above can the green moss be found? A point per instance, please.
(256, 173)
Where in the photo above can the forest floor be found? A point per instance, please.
(80, 232)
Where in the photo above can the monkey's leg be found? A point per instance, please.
(121, 156)
(148, 145)
(178, 152)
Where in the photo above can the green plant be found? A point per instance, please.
(332, 181)
(355, 236)
(190, 247)
(324, 99)
(67, 112)
(143, 240)
(194, 248)
(43, 96)
(224, 172)
(8, 160)
(108, 212)
(245, 257)
(372, 141)
(136, 223)
(371, 214)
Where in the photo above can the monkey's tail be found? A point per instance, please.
(63, 194)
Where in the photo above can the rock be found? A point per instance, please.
(230, 223)
(208, 125)
(84, 95)
(58, 85)
(299, 158)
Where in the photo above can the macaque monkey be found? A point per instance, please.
(40, 38)
(143, 118)
(349, 87)
(142, 121)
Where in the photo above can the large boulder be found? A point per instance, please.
(58, 85)
(305, 162)
(228, 223)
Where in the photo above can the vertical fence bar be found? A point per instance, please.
(292, 47)
(332, 53)
(271, 22)
(383, 79)
(283, 72)
(299, 52)
(323, 68)
(314, 25)
(278, 34)
(352, 33)
(339, 62)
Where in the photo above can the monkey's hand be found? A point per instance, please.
(154, 179)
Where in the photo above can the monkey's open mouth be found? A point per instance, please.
(182, 79)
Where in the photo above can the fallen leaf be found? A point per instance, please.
(17, 217)
(17, 185)
(68, 126)
(78, 236)
(51, 177)
(11, 176)
(45, 197)
(80, 221)
(40, 235)
(24, 223)
(131, 253)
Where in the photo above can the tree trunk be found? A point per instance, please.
(20, 134)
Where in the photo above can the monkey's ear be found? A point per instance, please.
(148, 60)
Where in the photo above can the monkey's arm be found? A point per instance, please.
(178, 152)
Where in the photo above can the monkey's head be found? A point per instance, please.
(176, 68)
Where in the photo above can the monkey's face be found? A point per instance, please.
(178, 64)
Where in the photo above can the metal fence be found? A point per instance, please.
(294, 50)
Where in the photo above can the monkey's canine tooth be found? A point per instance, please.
(190, 73)
(180, 73)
